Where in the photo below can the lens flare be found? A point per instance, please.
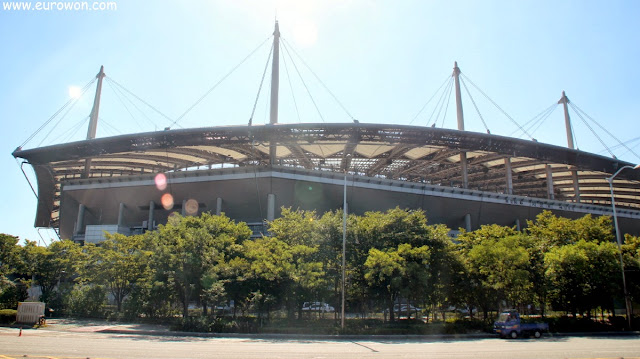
(161, 181)
(167, 201)
(191, 207)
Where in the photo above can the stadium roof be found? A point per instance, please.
(408, 153)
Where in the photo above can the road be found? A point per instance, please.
(75, 345)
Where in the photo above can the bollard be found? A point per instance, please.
(20, 334)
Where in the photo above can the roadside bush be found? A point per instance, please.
(86, 301)
(148, 300)
(567, 324)
(11, 293)
(216, 325)
(8, 316)
(463, 326)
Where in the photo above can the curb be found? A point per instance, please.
(434, 337)
(336, 337)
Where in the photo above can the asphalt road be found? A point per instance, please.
(75, 345)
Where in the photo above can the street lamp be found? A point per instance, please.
(619, 240)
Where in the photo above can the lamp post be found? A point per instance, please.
(627, 302)
(344, 250)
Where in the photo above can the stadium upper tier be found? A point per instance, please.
(425, 155)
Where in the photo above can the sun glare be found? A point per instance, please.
(305, 33)
(75, 92)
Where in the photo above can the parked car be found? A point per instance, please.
(404, 309)
(508, 325)
(317, 307)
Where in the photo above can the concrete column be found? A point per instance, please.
(275, 81)
(464, 169)
(467, 222)
(550, 194)
(271, 207)
(576, 185)
(518, 228)
(509, 174)
(183, 212)
(564, 100)
(80, 221)
(218, 206)
(152, 207)
(460, 118)
(121, 215)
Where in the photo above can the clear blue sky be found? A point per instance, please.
(382, 59)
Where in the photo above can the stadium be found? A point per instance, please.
(132, 183)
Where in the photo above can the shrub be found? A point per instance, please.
(11, 293)
(570, 324)
(216, 325)
(86, 301)
(8, 316)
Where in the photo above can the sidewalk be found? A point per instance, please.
(101, 326)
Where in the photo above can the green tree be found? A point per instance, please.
(189, 251)
(119, 263)
(631, 252)
(60, 261)
(12, 286)
(583, 276)
(552, 231)
(392, 272)
(501, 268)
(9, 254)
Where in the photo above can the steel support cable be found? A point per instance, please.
(317, 77)
(573, 135)
(544, 118)
(71, 101)
(286, 49)
(496, 105)
(447, 90)
(31, 185)
(293, 95)
(21, 164)
(537, 119)
(138, 98)
(73, 104)
(590, 129)
(253, 111)
(474, 105)
(112, 127)
(628, 142)
(632, 147)
(446, 80)
(218, 83)
(446, 108)
(73, 130)
(119, 97)
(577, 109)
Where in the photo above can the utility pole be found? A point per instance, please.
(344, 248)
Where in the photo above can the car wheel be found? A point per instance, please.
(513, 335)
(537, 334)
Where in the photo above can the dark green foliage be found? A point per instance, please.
(88, 301)
(216, 325)
(197, 266)
(8, 316)
(12, 292)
